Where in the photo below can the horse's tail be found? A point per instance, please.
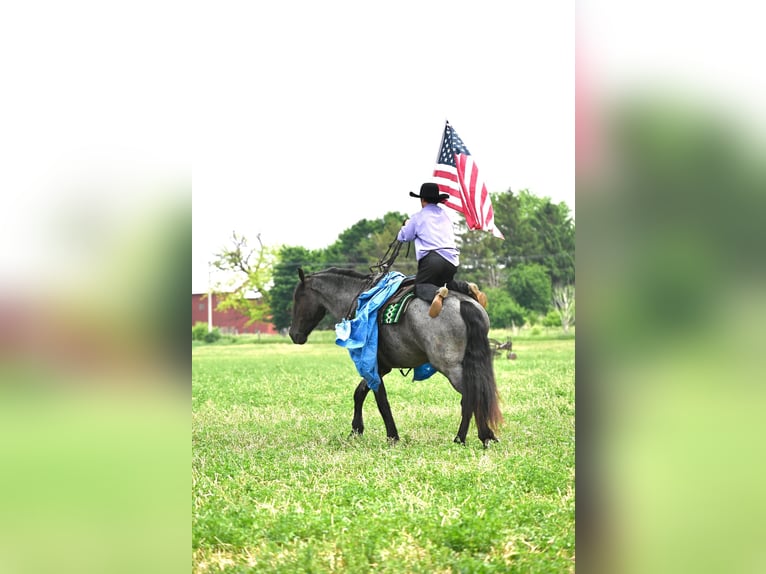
(478, 374)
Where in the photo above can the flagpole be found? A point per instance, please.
(209, 298)
(459, 178)
(441, 142)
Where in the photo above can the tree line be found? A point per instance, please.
(529, 276)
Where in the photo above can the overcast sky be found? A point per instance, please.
(300, 118)
(322, 114)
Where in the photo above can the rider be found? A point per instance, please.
(435, 248)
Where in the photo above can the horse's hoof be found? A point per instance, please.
(355, 433)
(393, 440)
(459, 440)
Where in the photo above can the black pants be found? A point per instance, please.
(434, 271)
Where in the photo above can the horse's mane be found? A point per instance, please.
(344, 272)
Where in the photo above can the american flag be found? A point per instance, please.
(457, 174)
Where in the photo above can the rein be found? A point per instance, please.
(385, 262)
(377, 271)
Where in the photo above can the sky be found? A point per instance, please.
(323, 114)
(296, 119)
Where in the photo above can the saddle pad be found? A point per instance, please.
(394, 311)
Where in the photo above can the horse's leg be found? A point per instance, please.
(466, 407)
(456, 378)
(357, 425)
(385, 411)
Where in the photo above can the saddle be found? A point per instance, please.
(397, 304)
(393, 310)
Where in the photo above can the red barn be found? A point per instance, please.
(229, 322)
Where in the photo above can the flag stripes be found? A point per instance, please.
(457, 174)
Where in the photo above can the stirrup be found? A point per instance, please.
(436, 304)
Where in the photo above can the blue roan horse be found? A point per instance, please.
(455, 343)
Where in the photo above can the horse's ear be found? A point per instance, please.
(301, 275)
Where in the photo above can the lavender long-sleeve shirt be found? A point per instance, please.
(431, 229)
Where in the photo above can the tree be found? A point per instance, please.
(536, 231)
(564, 303)
(378, 242)
(479, 261)
(285, 279)
(346, 250)
(359, 247)
(249, 272)
(538, 250)
(503, 311)
(530, 285)
(556, 232)
(364, 243)
(507, 211)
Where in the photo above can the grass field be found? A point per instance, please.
(279, 486)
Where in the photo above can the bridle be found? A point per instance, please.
(377, 272)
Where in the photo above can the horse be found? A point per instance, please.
(455, 343)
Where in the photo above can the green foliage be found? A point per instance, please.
(381, 240)
(530, 285)
(285, 279)
(249, 272)
(359, 247)
(364, 243)
(346, 251)
(279, 486)
(212, 336)
(536, 230)
(552, 319)
(503, 311)
(200, 333)
(199, 330)
(479, 261)
(539, 241)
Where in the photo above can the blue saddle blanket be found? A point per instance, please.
(360, 334)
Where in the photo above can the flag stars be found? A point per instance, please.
(459, 176)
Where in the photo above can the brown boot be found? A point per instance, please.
(436, 304)
(478, 295)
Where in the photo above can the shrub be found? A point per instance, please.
(530, 285)
(213, 335)
(200, 333)
(199, 330)
(503, 311)
(552, 319)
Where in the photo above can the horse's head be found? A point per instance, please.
(307, 310)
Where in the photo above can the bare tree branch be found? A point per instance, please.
(564, 301)
(249, 270)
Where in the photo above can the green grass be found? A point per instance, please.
(278, 485)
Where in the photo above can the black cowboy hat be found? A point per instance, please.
(430, 192)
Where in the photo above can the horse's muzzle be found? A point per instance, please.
(297, 338)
